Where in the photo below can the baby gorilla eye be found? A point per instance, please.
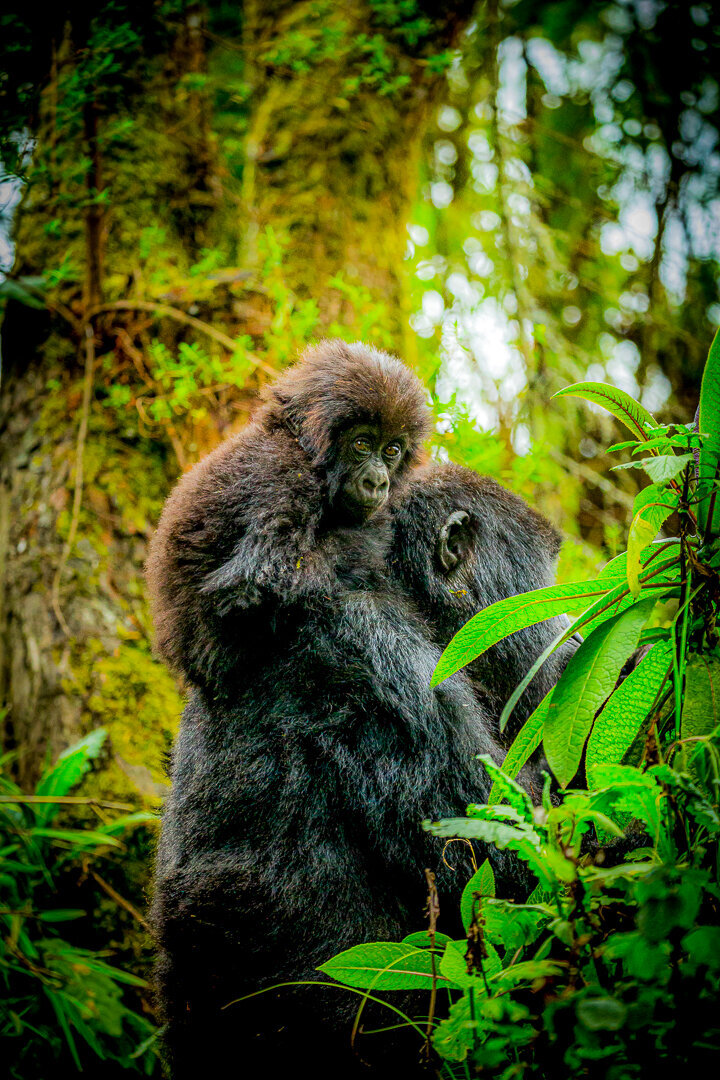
(362, 445)
(392, 451)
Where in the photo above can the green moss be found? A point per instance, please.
(132, 695)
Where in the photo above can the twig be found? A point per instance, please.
(74, 800)
(180, 316)
(433, 907)
(120, 900)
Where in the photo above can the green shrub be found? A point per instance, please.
(62, 1006)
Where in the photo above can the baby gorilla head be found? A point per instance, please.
(360, 414)
(462, 542)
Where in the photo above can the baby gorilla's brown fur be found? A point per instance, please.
(262, 520)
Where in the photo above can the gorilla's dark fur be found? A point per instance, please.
(463, 542)
(312, 747)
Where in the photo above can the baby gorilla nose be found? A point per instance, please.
(374, 485)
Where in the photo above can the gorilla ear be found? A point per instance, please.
(454, 540)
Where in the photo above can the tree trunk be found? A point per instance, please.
(245, 181)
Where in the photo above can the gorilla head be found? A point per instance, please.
(462, 542)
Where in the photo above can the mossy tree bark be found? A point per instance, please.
(251, 172)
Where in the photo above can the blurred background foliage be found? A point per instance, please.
(511, 195)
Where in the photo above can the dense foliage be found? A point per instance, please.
(63, 1004)
(613, 962)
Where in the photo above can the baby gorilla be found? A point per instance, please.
(312, 747)
(290, 511)
(463, 542)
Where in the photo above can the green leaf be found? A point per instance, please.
(483, 882)
(601, 1013)
(701, 702)
(651, 508)
(67, 772)
(421, 939)
(509, 790)
(81, 838)
(624, 408)
(587, 681)
(496, 622)
(661, 468)
(383, 965)
(621, 719)
(521, 839)
(61, 915)
(514, 926)
(529, 971)
(523, 747)
(454, 966)
(709, 471)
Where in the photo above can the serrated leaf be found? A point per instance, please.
(624, 408)
(67, 772)
(662, 468)
(708, 509)
(483, 882)
(619, 722)
(587, 681)
(509, 790)
(701, 702)
(383, 965)
(453, 965)
(496, 622)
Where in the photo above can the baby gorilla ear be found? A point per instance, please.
(454, 540)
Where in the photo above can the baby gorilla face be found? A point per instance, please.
(369, 459)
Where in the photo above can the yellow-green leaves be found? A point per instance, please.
(628, 411)
(621, 719)
(589, 678)
(651, 507)
(383, 965)
(709, 493)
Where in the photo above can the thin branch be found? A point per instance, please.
(180, 316)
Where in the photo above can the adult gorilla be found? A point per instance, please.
(462, 542)
(313, 746)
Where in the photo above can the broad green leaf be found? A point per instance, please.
(601, 1013)
(453, 965)
(701, 702)
(496, 622)
(624, 408)
(509, 790)
(519, 690)
(383, 965)
(523, 747)
(421, 939)
(616, 569)
(709, 422)
(483, 882)
(587, 681)
(621, 719)
(651, 508)
(67, 772)
(660, 469)
(521, 839)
